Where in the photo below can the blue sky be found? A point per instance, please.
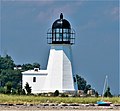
(24, 24)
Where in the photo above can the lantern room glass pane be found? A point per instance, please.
(60, 36)
(65, 30)
(60, 30)
(57, 37)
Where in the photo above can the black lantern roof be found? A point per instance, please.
(61, 23)
(61, 32)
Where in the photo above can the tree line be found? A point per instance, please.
(11, 78)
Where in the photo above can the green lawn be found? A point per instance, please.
(16, 99)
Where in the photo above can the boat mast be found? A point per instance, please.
(105, 84)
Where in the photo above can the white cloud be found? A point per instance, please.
(112, 13)
(52, 11)
(34, 2)
(115, 12)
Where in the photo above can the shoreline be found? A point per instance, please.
(54, 106)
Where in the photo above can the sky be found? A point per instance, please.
(23, 35)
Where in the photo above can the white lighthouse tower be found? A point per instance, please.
(60, 71)
(59, 74)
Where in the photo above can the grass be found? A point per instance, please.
(16, 99)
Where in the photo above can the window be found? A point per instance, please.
(34, 79)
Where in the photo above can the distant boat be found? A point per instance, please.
(104, 102)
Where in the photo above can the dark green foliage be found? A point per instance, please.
(87, 87)
(14, 76)
(56, 93)
(96, 94)
(13, 91)
(82, 84)
(8, 86)
(19, 89)
(7, 72)
(30, 66)
(28, 88)
(36, 65)
(64, 95)
(23, 92)
(27, 67)
(2, 90)
(6, 63)
(9, 78)
(108, 93)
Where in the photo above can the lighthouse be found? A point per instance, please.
(61, 38)
(59, 74)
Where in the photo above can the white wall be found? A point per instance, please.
(38, 86)
(59, 73)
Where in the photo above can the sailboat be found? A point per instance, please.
(104, 102)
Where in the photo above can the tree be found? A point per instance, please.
(81, 82)
(27, 67)
(36, 65)
(28, 88)
(14, 76)
(23, 92)
(108, 93)
(6, 62)
(10, 78)
(2, 90)
(30, 66)
(19, 89)
(87, 87)
(8, 87)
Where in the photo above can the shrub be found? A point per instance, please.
(108, 93)
(2, 90)
(8, 87)
(23, 92)
(64, 95)
(56, 93)
(28, 88)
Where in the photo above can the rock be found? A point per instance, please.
(116, 104)
(87, 105)
(31, 105)
(64, 104)
(19, 104)
(75, 104)
(45, 104)
(52, 104)
(10, 104)
(3, 104)
(91, 104)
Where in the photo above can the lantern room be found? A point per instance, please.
(61, 32)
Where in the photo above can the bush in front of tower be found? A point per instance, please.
(56, 93)
(28, 88)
